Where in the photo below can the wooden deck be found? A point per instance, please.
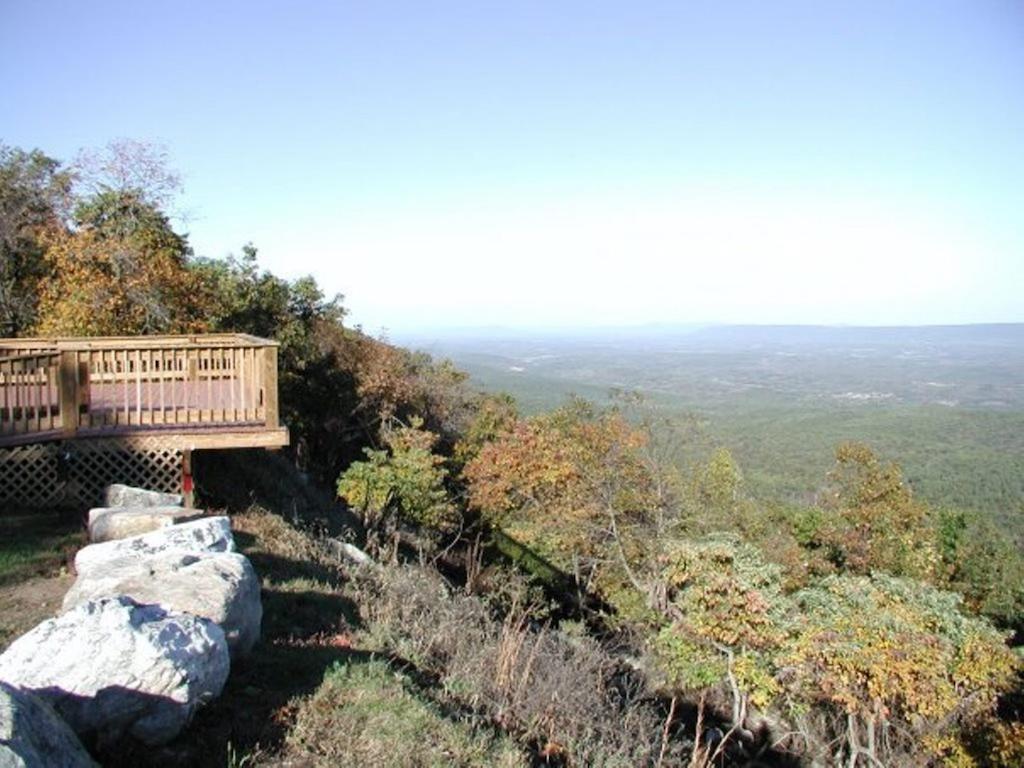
(197, 392)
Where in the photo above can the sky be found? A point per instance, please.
(539, 164)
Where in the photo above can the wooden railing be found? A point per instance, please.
(29, 393)
(62, 387)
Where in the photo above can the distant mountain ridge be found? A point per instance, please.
(704, 335)
(988, 333)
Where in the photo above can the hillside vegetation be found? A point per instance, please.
(948, 402)
(595, 584)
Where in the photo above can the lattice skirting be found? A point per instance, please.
(76, 472)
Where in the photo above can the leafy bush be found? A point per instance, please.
(406, 481)
(896, 661)
(727, 620)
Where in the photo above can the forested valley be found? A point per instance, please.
(584, 585)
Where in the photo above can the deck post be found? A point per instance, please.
(69, 395)
(187, 485)
(270, 408)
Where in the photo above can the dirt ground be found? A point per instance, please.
(25, 604)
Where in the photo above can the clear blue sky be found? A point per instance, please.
(568, 163)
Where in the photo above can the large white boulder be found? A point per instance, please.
(126, 496)
(111, 523)
(32, 734)
(112, 667)
(219, 586)
(209, 534)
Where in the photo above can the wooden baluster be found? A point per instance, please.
(251, 355)
(97, 390)
(209, 385)
(52, 392)
(243, 391)
(40, 392)
(112, 362)
(162, 353)
(192, 369)
(5, 415)
(30, 395)
(216, 398)
(37, 388)
(181, 401)
(174, 383)
(231, 384)
(138, 387)
(22, 399)
(97, 359)
(15, 398)
(124, 384)
(258, 368)
(148, 383)
(254, 390)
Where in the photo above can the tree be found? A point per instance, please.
(573, 485)
(877, 522)
(983, 565)
(34, 198)
(494, 417)
(130, 167)
(122, 270)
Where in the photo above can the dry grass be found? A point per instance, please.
(563, 695)
(366, 715)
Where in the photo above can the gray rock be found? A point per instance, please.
(32, 734)
(219, 586)
(126, 496)
(344, 549)
(111, 523)
(112, 667)
(209, 534)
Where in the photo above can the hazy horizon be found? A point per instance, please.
(569, 329)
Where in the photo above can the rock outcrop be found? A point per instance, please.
(209, 534)
(32, 734)
(219, 586)
(111, 523)
(127, 496)
(112, 667)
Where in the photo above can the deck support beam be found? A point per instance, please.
(187, 485)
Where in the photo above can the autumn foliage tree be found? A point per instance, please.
(121, 270)
(877, 523)
(574, 486)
